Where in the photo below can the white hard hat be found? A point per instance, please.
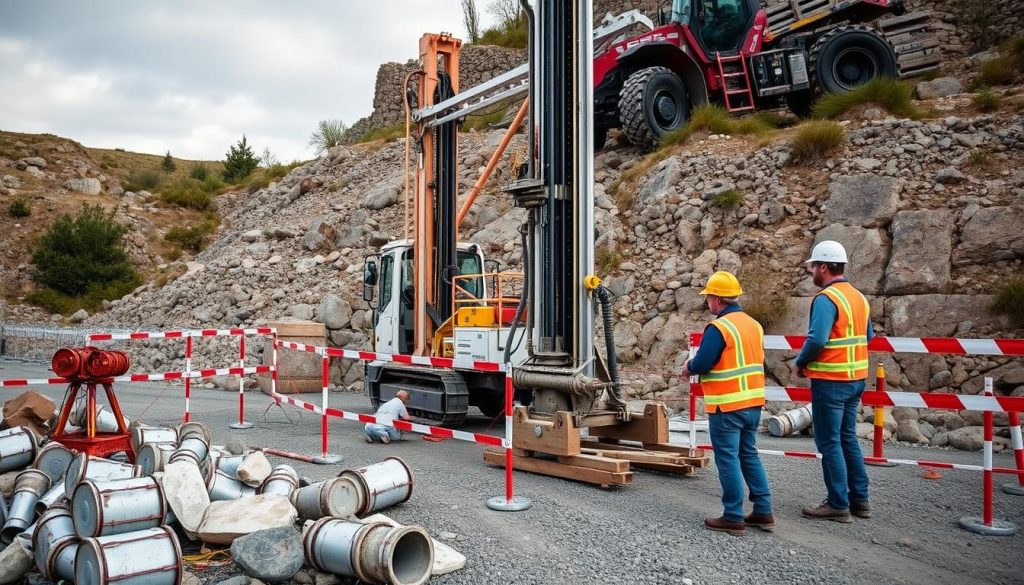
(828, 251)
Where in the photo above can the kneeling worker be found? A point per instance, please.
(730, 363)
(389, 411)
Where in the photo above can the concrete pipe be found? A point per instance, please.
(117, 506)
(194, 448)
(153, 457)
(53, 460)
(194, 429)
(18, 448)
(29, 486)
(106, 422)
(62, 561)
(85, 466)
(145, 557)
(789, 422)
(229, 464)
(283, 480)
(222, 486)
(374, 553)
(380, 485)
(144, 435)
(54, 496)
(338, 497)
(54, 530)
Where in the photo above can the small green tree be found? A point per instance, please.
(168, 164)
(199, 171)
(240, 161)
(328, 134)
(83, 253)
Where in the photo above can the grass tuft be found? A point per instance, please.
(19, 207)
(893, 96)
(979, 158)
(192, 237)
(986, 101)
(728, 200)
(1009, 300)
(607, 260)
(761, 300)
(387, 134)
(816, 140)
(715, 120)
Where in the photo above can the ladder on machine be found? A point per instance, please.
(738, 95)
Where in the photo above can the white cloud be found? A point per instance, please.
(193, 76)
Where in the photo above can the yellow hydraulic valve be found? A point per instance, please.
(592, 281)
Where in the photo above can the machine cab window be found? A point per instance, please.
(722, 24)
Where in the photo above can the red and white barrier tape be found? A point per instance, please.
(355, 354)
(180, 334)
(398, 424)
(191, 374)
(938, 345)
(932, 400)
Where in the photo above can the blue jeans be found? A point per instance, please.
(377, 432)
(734, 440)
(834, 415)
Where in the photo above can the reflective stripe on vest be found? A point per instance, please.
(737, 380)
(845, 355)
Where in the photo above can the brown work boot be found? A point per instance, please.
(765, 522)
(826, 512)
(860, 509)
(720, 524)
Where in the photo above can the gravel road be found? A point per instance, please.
(649, 532)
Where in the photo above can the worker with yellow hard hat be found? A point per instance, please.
(730, 363)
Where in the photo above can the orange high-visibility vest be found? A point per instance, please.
(845, 355)
(737, 380)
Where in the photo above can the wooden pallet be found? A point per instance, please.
(915, 42)
(553, 446)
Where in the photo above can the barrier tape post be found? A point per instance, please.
(509, 502)
(1016, 489)
(877, 449)
(188, 378)
(325, 458)
(242, 423)
(694, 347)
(273, 375)
(986, 525)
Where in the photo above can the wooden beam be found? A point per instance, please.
(556, 469)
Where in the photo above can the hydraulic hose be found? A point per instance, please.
(523, 232)
(605, 297)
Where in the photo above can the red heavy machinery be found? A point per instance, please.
(431, 297)
(739, 55)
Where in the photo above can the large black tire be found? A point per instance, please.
(850, 56)
(652, 103)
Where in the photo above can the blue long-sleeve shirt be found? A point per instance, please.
(712, 344)
(823, 316)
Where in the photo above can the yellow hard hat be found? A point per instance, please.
(722, 284)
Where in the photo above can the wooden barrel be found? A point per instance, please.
(297, 371)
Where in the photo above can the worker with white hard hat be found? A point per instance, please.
(730, 362)
(835, 358)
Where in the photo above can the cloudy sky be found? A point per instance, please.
(192, 76)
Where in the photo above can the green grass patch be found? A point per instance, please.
(979, 158)
(192, 237)
(816, 140)
(387, 134)
(92, 300)
(891, 95)
(607, 260)
(761, 300)
(145, 180)
(986, 100)
(728, 200)
(264, 177)
(192, 193)
(19, 207)
(1009, 300)
(715, 120)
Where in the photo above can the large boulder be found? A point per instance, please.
(334, 312)
(88, 186)
(661, 183)
(992, 234)
(939, 87)
(319, 236)
(254, 469)
(967, 438)
(227, 520)
(382, 196)
(867, 249)
(935, 315)
(15, 562)
(861, 200)
(922, 242)
(626, 333)
(186, 494)
(274, 555)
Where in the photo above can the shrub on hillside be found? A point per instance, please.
(1009, 300)
(816, 140)
(328, 134)
(84, 256)
(986, 100)
(19, 207)
(192, 237)
(240, 161)
(143, 181)
(893, 96)
(761, 299)
(192, 193)
(199, 171)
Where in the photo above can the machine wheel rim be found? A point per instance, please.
(666, 109)
(853, 67)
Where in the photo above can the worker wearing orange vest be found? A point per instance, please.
(835, 358)
(730, 362)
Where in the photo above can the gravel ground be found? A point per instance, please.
(649, 532)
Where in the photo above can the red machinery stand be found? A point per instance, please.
(81, 367)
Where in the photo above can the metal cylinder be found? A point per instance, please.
(194, 429)
(194, 448)
(374, 553)
(117, 506)
(106, 422)
(3, 510)
(53, 460)
(54, 529)
(54, 496)
(62, 560)
(229, 464)
(338, 497)
(789, 422)
(153, 457)
(28, 487)
(145, 557)
(224, 487)
(283, 480)
(85, 466)
(381, 485)
(143, 435)
(18, 448)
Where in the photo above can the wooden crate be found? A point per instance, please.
(916, 43)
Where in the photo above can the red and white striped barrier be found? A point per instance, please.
(160, 377)
(184, 333)
(933, 400)
(937, 345)
(419, 360)
(1017, 443)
